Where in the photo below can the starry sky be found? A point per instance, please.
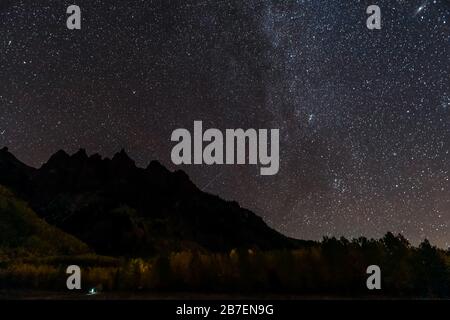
(364, 115)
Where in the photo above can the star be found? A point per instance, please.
(420, 9)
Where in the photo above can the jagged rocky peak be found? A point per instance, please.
(61, 159)
(80, 155)
(122, 159)
(6, 154)
(58, 159)
(155, 167)
(13, 173)
(8, 159)
(96, 157)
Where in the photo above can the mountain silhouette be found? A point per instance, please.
(24, 234)
(119, 209)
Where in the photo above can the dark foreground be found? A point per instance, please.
(53, 295)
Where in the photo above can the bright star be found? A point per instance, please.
(420, 9)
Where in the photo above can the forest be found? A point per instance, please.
(331, 267)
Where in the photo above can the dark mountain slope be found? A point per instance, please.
(14, 173)
(23, 233)
(120, 209)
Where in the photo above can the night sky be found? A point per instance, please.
(364, 115)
